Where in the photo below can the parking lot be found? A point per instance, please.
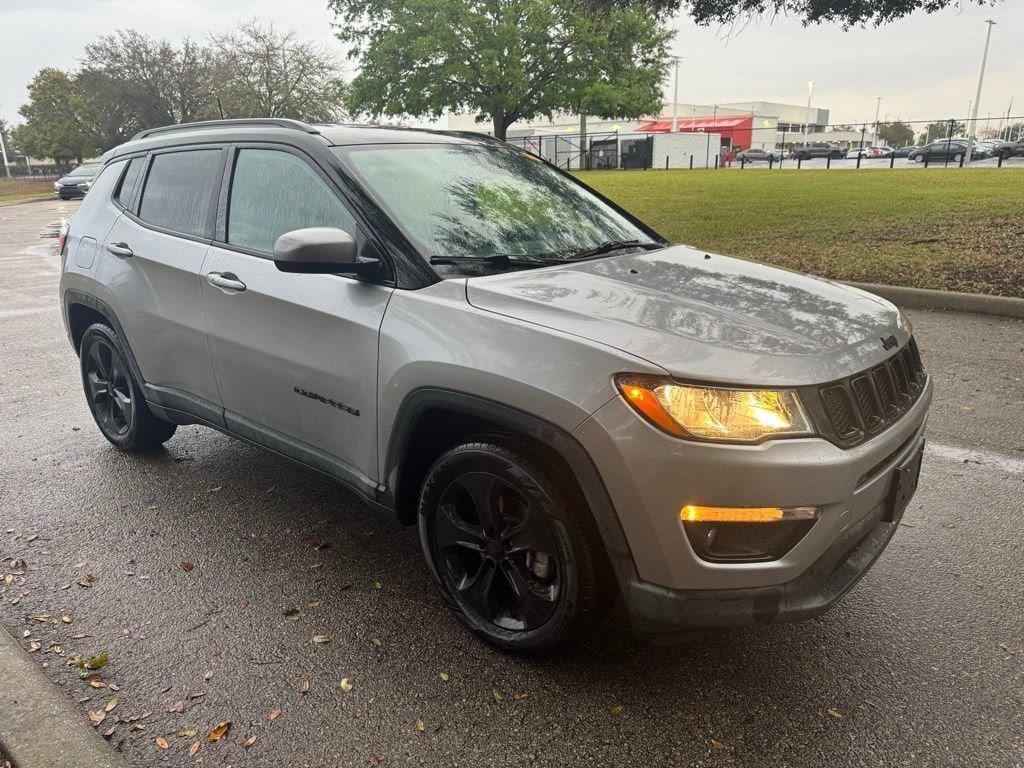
(899, 163)
(206, 570)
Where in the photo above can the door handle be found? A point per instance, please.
(121, 250)
(226, 281)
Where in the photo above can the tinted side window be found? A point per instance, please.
(275, 192)
(130, 183)
(180, 190)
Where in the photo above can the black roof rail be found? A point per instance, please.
(280, 122)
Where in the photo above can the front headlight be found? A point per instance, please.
(56, 186)
(716, 413)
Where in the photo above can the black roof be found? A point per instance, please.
(269, 129)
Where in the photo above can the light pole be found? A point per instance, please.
(874, 136)
(3, 151)
(977, 96)
(807, 122)
(675, 95)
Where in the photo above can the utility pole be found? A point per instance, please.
(675, 95)
(878, 106)
(807, 122)
(977, 96)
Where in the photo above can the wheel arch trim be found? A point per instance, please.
(420, 402)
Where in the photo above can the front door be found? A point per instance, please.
(295, 355)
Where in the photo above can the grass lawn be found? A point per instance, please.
(959, 230)
(12, 190)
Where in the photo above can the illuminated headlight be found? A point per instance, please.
(56, 186)
(716, 413)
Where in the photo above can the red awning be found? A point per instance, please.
(691, 124)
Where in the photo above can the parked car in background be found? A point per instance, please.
(758, 155)
(817, 149)
(1008, 149)
(855, 152)
(77, 182)
(881, 152)
(946, 149)
(905, 151)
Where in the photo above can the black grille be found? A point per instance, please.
(868, 402)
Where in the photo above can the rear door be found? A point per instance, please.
(152, 261)
(295, 355)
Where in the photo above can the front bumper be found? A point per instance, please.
(649, 476)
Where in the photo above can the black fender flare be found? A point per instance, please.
(554, 438)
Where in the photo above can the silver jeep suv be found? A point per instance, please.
(570, 408)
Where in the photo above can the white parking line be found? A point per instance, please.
(978, 456)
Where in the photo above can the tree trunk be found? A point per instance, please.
(500, 127)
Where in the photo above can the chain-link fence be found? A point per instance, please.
(754, 142)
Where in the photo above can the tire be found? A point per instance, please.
(958, 157)
(115, 397)
(520, 567)
(919, 157)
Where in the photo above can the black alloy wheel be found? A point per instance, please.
(114, 396)
(513, 550)
(497, 552)
(108, 388)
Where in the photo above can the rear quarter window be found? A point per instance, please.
(181, 191)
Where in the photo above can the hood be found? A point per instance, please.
(704, 317)
(74, 180)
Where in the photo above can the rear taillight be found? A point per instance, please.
(62, 238)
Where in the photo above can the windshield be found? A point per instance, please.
(473, 205)
(85, 170)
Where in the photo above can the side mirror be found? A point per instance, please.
(319, 251)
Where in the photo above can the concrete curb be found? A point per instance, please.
(951, 301)
(39, 726)
(26, 202)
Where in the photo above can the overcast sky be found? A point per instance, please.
(923, 67)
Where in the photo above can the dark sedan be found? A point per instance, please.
(1008, 149)
(940, 150)
(77, 182)
(904, 151)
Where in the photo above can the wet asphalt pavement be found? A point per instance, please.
(214, 557)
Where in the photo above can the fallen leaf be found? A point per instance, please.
(97, 684)
(421, 726)
(219, 731)
(616, 710)
(498, 695)
(177, 708)
(161, 742)
(66, 619)
(520, 695)
(34, 646)
(321, 639)
(93, 663)
(87, 581)
(719, 744)
(377, 584)
(109, 732)
(375, 641)
(187, 567)
(444, 677)
(208, 676)
(188, 733)
(249, 742)
(114, 687)
(194, 748)
(304, 688)
(835, 712)
(345, 684)
(215, 489)
(97, 716)
(292, 613)
(110, 705)
(273, 714)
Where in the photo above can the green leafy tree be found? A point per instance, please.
(895, 134)
(506, 60)
(56, 124)
(848, 13)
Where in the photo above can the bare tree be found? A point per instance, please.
(265, 73)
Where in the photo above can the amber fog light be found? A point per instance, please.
(745, 534)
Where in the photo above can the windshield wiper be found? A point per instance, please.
(612, 245)
(498, 259)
